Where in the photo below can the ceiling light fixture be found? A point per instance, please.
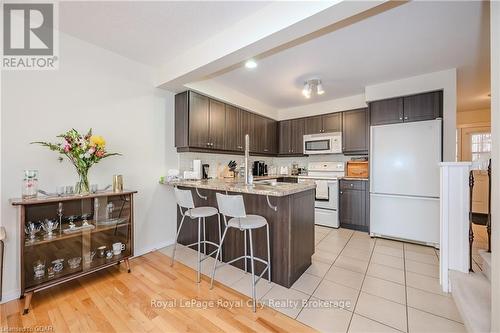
(250, 64)
(306, 91)
(310, 85)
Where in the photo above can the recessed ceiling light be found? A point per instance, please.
(250, 64)
(319, 89)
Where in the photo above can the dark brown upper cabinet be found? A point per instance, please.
(232, 139)
(199, 120)
(323, 124)
(426, 106)
(423, 106)
(204, 124)
(355, 134)
(217, 126)
(284, 128)
(387, 111)
(314, 125)
(291, 134)
(332, 122)
(270, 142)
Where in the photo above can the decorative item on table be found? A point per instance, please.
(49, 226)
(117, 183)
(101, 251)
(58, 265)
(295, 169)
(88, 257)
(118, 248)
(30, 184)
(74, 262)
(109, 254)
(83, 151)
(60, 215)
(50, 272)
(197, 169)
(94, 188)
(39, 269)
(69, 190)
(31, 229)
(284, 170)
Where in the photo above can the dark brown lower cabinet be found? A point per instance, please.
(354, 207)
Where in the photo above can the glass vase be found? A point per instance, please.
(82, 187)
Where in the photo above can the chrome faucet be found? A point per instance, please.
(247, 152)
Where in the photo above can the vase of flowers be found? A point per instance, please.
(83, 151)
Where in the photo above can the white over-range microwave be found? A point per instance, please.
(324, 143)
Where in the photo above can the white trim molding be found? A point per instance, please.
(454, 220)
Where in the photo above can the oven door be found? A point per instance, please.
(332, 202)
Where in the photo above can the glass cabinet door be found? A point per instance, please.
(70, 237)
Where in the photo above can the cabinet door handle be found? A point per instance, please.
(265, 149)
(406, 118)
(341, 192)
(400, 118)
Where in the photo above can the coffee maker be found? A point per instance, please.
(259, 168)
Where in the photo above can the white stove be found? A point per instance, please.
(325, 175)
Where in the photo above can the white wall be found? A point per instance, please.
(333, 105)
(495, 195)
(444, 80)
(116, 97)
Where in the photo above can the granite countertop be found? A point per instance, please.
(237, 185)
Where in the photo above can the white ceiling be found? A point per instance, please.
(151, 32)
(412, 39)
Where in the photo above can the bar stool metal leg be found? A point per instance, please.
(253, 271)
(219, 251)
(245, 245)
(220, 237)
(268, 254)
(199, 251)
(177, 236)
(204, 237)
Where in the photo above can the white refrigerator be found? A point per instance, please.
(404, 180)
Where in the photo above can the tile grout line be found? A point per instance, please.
(310, 296)
(406, 290)
(362, 283)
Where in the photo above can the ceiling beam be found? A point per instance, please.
(275, 27)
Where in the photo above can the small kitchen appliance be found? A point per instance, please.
(324, 143)
(259, 168)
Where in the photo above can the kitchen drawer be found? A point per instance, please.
(352, 185)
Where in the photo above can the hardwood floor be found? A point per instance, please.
(114, 301)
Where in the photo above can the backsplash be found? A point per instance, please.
(216, 160)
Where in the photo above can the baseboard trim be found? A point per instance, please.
(152, 248)
(10, 296)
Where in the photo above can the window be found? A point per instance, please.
(480, 147)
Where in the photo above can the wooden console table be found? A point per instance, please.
(88, 226)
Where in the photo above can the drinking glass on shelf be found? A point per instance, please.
(69, 189)
(39, 269)
(60, 190)
(94, 188)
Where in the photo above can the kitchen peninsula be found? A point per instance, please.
(287, 207)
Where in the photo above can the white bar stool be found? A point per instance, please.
(185, 200)
(233, 206)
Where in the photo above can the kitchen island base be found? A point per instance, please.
(291, 224)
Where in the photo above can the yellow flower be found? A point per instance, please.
(97, 140)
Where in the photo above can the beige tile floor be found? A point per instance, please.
(356, 284)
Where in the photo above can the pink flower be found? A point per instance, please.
(91, 150)
(99, 153)
(67, 148)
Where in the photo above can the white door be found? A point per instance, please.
(405, 158)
